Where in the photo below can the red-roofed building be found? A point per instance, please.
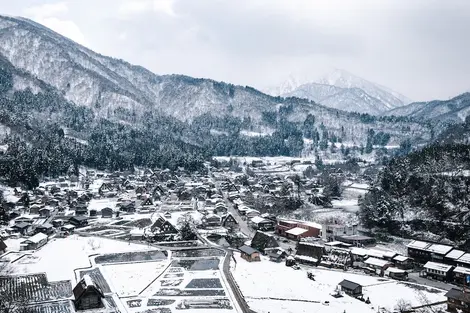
(292, 229)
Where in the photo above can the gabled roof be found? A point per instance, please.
(21, 225)
(458, 295)
(263, 240)
(36, 238)
(376, 262)
(3, 245)
(226, 217)
(247, 249)
(349, 284)
(86, 284)
(258, 219)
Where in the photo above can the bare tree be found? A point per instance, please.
(403, 306)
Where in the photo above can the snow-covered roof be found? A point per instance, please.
(87, 280)
(455, 254)
(312, 224)
(37, 238)
(416, 244)
(258, 219)
(68, 226)
(296, 231)
(464, 258)
(336, 243)
(369, 252)
(462, 270)
(376, 262)
(439, 249)
(437, 266)
(306, 258)
(400, 258)
(395, 270)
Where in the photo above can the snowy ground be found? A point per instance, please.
(60, 257)
(131, 279)
(275, 288)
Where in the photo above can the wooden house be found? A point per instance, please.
(163, 227)
(45, 212)
(403, 262)
(147, 201)
(87, 295)
(438, 271)
(460, 275)
(45, 228)
(351, 288)
(34, 242)
(458, 301)
(452, 257)
(79, 221)
(249, 254)
(423, 252)
(260, 223)
(310, 249)
(377, 265)
(262, 240)
(22, 227)
(211, 220)
(228, 221)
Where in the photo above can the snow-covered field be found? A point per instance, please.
(131, 279)
(62, 256)
(275, 288)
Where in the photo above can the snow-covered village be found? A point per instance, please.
(249, 156)
(162, 241)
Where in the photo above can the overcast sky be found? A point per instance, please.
(420, 48)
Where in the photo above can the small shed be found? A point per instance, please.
(249, 254)
(351, 288)
(107, 212)
(87, 294)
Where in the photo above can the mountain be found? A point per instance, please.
(454, 110)
(121, 92)
(347, 99)
(344, 79)
(344, 91)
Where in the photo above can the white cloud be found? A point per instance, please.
(165, 6)
(66, 28)
(130, 7)
(50, 15)
(47, 10)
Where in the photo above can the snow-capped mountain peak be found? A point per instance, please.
(342, 90)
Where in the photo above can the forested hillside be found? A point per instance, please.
(425, 193)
